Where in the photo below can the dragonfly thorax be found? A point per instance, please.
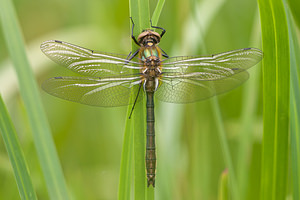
(148, 38)
(151, 73)
(152, 62)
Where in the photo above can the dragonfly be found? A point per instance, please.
(110, 79)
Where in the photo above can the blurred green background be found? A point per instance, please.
(89, 139)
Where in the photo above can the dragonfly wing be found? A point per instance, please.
(219, 66)
(189, 79)
(88, 62)
(188, 90)
(94, 91)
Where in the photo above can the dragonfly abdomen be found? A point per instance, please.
(150, 147)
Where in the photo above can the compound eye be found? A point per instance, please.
(155, 40)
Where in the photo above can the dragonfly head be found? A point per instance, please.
(148, 38)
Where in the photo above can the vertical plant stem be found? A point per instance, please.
(276, 86)
(223, 186)
(157, 11)
(16, 155)
(126, 162)
(295, 107)
(29, 91)
(248, 117)
(228, 160)
(140, 13)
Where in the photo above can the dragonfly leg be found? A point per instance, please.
(164, 54)
(129, 57)
(133, 55)
(135, 101)
(163, 30)
(132, 36)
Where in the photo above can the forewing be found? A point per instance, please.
(104, 92)
(189, 79)
(215, 66)
(88, 62)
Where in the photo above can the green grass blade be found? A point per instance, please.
(234, 190)
(126, 162)
(249, 109)
(223, 186)
(139, 140)
(29, 91)
(254, 173)
(140, 13)
(150, 193)
(16, 155)
(295, 9)
(276, 80)
(295, 108)
(157, 11)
